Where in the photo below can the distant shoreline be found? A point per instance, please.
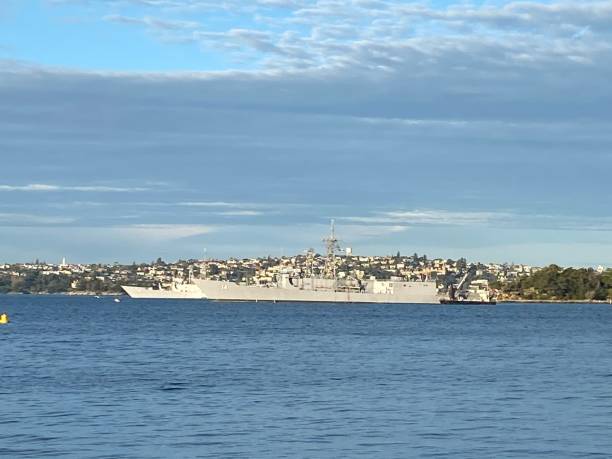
(63, 294)
(508, 301)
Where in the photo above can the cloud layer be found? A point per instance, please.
(390, 116)
(381, 35)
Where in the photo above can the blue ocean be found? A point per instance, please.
(83, 377)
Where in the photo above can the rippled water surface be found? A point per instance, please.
(87, 377)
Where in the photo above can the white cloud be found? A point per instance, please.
(20, 219)
(42, 187)
(432, 217)
(153, 23)
(497, 219)
(351, 232)
(380, 35)
(212, 204)
(445, 217)
(160, 232)
(240, 213)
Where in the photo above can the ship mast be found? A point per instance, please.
(331, 244)
(204, 275)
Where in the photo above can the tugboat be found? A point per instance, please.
(478, 293)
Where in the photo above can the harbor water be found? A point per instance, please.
(85, 377)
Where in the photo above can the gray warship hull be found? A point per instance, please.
(186, 292)
(382, 292)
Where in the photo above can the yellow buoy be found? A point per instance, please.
(4, 318)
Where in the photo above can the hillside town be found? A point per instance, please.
(65, 277)
(506, 282)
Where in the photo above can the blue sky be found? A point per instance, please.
(131, 129)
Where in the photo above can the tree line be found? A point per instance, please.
(36, 282)
(563, 284)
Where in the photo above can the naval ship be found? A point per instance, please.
(306, 287)
(178, 290)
